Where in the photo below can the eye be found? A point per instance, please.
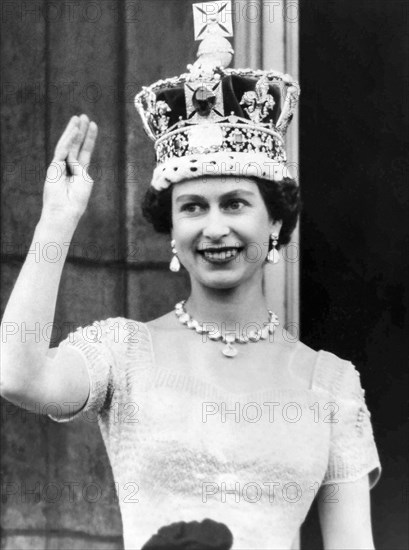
(191, 207)
(235, 204)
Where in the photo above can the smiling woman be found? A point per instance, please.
(214, 215)
(235, 422)
(282, 202)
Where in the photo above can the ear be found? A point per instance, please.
(275, 226)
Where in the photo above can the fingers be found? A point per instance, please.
(78, 169)
(66, 140)
(79, 136)
(78, 139)
(88, 144)
(74, 165)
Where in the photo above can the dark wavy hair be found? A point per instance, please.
(282, 200)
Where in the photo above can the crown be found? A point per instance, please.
(214, 120)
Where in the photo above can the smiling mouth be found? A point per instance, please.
(220, 254)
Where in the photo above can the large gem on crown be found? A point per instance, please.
(205, 137)
(238, 137)
(204, 100)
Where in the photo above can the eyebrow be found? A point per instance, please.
(228, 195)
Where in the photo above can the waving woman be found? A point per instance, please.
(210, 409)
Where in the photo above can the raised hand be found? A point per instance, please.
(68, 184)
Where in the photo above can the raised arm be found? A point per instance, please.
(29, 374)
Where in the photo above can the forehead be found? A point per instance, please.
(214, 187)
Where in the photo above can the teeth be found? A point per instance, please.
(221, 255)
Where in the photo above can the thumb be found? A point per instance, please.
(74, 165)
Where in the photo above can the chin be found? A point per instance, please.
(221, 284)
(221, 280)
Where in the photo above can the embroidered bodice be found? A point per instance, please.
(193, 450)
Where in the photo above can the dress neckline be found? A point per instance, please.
(283, 391)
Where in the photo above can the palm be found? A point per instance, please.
(68, 185)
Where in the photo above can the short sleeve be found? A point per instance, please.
(95, 343)
(353, 452)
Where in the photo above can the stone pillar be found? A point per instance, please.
(266, 37)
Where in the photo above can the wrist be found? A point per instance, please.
(56, 227)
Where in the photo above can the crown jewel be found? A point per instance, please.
(219, 119)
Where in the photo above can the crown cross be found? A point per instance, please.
(212, 17)
(213, 22)
(204, 101)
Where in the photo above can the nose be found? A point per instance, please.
(216, 226)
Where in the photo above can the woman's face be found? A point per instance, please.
(222, 229)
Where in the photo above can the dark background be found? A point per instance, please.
(354, 228)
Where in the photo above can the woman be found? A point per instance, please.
(271, 373)
(208, 411)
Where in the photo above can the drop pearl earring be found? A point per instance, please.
(274, 256)
(174, 264)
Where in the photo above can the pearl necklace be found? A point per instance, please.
(228, 338)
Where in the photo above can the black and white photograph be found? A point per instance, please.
(204, 274)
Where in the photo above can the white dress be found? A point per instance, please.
(183, 449)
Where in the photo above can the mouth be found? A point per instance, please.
(220, 254)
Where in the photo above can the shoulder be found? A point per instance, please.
(327, 371)
(118, 330)
(119, 336)
(337, 375)
(165, 322)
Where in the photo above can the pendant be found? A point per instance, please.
(273, 256)
(229, 350)
(174, 264)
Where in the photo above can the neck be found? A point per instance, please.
(243, 304)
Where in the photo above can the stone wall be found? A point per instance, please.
(59, 59)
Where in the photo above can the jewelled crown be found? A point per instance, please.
(218, 121)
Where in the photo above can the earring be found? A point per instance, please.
(174, 264)
(273, 256)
